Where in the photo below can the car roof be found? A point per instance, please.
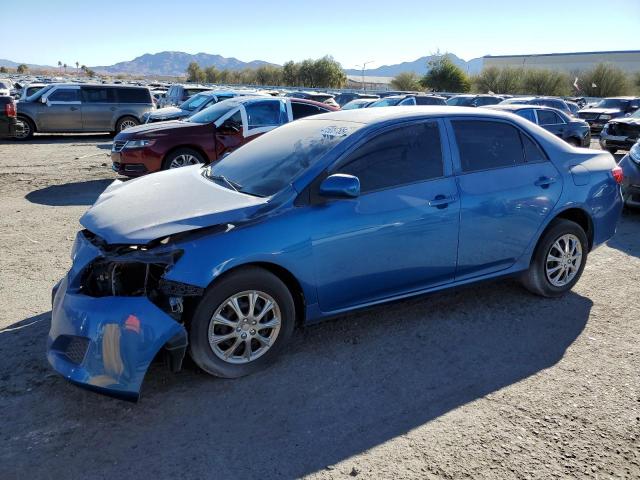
(254, 98)
(514, 107)
(370, 116)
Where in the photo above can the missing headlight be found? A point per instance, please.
(126, 279)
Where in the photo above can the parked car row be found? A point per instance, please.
(207, 135)
(324, 215)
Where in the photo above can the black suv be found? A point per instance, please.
(608, 108)
(9, 125)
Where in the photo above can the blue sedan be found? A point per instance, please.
(317, 218)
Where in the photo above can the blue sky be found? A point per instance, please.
(102, 33)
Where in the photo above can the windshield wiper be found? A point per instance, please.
(233, 185)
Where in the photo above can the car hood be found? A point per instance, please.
(628, 120)
(155, 129)
(168, 113)
(600, 110)
(165, 203)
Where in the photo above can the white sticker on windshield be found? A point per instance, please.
(333, 131)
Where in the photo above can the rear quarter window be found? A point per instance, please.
(133, 95)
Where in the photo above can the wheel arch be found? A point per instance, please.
(124, 115)
(28, 117)
(195, 148)
(575, 214)
(284, 275)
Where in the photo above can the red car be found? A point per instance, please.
(206, 136)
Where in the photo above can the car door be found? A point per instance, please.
(62, 111)
(262, 116)
(230, 132)
(98, 108)
(551, 121)
(507, 186)
(401, 234)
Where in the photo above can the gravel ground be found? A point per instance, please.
(484, 382)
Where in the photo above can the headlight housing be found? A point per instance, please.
(605, 117)
(634, 153)
(138, 144)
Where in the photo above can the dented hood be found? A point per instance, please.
(164, 203)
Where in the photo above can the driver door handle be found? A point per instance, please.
(442, 201)
(544, 182)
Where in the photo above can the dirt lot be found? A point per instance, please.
(487, 382)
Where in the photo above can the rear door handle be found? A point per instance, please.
(73, 109)
(544, 182)
(442, 201)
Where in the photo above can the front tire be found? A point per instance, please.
(558, 260)
(241, 323)
(182, 157)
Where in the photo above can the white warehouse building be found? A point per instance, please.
(627, 60)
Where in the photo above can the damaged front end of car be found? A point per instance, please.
(114, 312)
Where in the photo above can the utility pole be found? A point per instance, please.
(363, 67)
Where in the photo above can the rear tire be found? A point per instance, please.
(182, 157)
(545, 275)
(207, 346)
(28, 129)
(126, 122)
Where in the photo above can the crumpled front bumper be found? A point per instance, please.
(106, 344)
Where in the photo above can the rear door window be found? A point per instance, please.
(529, 114)
(547, 117)
(486, 145)
(301, 110)
(97, 95)
(532, 152)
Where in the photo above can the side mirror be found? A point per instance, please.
(43, 100)
(340, 185)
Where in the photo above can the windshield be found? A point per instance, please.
(214, 112)
(39, 93)
(195, 102)
(387, 102)
(356, 104)
(612, 103)
(460, 101)
(267, 164)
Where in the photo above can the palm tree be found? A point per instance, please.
(60, 65)
(65, 68)
(77, 66)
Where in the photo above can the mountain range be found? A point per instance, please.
(418, 66)
(175, 64)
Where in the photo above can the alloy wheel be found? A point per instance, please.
(244, 327)
(127, 124)
(563, 260)
(183, 160)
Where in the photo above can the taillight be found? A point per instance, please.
(618, 174)
(10, 109)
